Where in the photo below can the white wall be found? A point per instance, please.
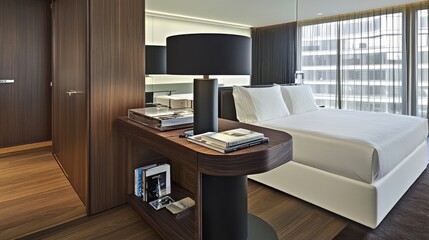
(158, 28)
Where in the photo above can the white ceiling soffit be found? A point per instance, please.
(257, 13)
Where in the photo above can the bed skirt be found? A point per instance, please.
(364, 203)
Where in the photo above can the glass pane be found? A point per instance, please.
(422, 76)
(371, 63)
(319, 61)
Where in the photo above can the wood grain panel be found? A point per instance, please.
(117, 84)
(162, 221)
(183, 174)
(278, 150)
(70, 130)
(196, 160)
(257, 159)
(27, 148)
(25, 47)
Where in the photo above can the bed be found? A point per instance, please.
(355, 164)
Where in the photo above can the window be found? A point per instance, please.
(422, 66)
(356, 63)
(319, 61)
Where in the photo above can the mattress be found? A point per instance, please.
(363, 146)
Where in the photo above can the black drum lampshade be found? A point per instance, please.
(208, 54)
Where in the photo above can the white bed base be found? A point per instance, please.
(364, 203)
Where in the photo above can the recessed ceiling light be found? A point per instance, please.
(319, 14)
(197, 19)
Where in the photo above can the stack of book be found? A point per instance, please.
(176, 101)
(229, 141)
(162, 118)
(152, 182)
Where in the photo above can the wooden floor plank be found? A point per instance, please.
(119, 223)
(34, 194)
(290, 217)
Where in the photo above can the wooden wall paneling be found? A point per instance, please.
(25, 47)
(117, 84)
(182, 173)
(70, 128)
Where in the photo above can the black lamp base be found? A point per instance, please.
(225, 215)
(205, 105)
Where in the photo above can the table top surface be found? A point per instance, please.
(255, 159)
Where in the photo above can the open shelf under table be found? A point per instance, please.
(167, 225)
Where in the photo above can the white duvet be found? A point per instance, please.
(363, 146)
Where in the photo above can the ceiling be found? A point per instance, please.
(257, 13)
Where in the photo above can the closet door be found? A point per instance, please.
(70, 93)
(25, 72)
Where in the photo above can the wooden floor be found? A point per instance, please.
(34, 194)
(290, 217)
(119, 223)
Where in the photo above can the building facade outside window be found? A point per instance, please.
(357, 62)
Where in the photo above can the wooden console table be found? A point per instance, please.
(217, 182)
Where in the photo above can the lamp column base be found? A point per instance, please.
(205, 106)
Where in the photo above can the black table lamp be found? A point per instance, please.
(208, 54)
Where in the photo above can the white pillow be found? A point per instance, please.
(298, 98)
(259, 104)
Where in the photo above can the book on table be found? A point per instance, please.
(198, 139)
(162, 118)
(232, 137)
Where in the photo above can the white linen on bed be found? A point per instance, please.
(363, 146)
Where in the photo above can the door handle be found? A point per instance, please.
(72, 92)
(7, 81)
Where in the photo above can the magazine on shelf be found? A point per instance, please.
(198, 139)
(157, 183)
(162, 118)
(162, 202)
(181, 207)
(232, 137)
(138, 179)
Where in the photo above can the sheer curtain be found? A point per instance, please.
(356, 61)
(318, 58)
(373, 61)
(422, 65)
